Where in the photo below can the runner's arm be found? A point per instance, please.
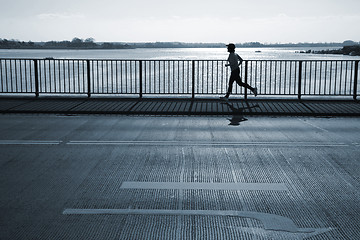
(240, 59)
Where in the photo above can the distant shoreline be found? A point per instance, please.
(346, 50)
(78, 44)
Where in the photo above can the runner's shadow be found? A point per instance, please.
(238, 116)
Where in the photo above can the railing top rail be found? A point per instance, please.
(185, 60)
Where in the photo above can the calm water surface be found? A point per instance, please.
(175, 54)
(160, 77)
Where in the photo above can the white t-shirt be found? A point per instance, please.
(233, 60)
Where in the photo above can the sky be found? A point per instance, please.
(265, 21)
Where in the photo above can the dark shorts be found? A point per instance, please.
(235, 75)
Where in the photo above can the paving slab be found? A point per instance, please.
(168, 106)
(157, 177)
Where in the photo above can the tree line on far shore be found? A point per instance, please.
(349, 47)
(353, 50)
(75, 43)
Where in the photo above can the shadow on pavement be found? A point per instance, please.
(237, 114)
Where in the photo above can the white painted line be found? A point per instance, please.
(270, 221)
(205, 186)
(29, 142)
(207, 143)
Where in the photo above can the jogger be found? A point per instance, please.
(234, 62)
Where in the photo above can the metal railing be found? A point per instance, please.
(178, 77)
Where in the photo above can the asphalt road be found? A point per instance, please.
(143, 177)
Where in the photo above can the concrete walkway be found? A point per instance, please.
(180, 106)
(185, 177)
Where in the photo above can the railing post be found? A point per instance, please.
(140, 79)
(36, 78)
(88, 78)
(356, 78)
(193, 79)
(246, 78)
(299, 82)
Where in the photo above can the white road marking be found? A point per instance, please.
(270, 221)
(29, 142)
(176, 143)
(205, 186)
(208, 143)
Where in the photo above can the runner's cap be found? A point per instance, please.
(231, 45)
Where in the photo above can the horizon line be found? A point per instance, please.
(182, 42)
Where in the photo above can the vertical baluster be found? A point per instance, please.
(2, 82)
(88, 78)
(193, 79)
(300, 80)
(356, 70)
(36, 78)
(346, 70)
(15, 76)
(246, 78)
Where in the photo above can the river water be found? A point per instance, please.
(175, 54)
(328, 75)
